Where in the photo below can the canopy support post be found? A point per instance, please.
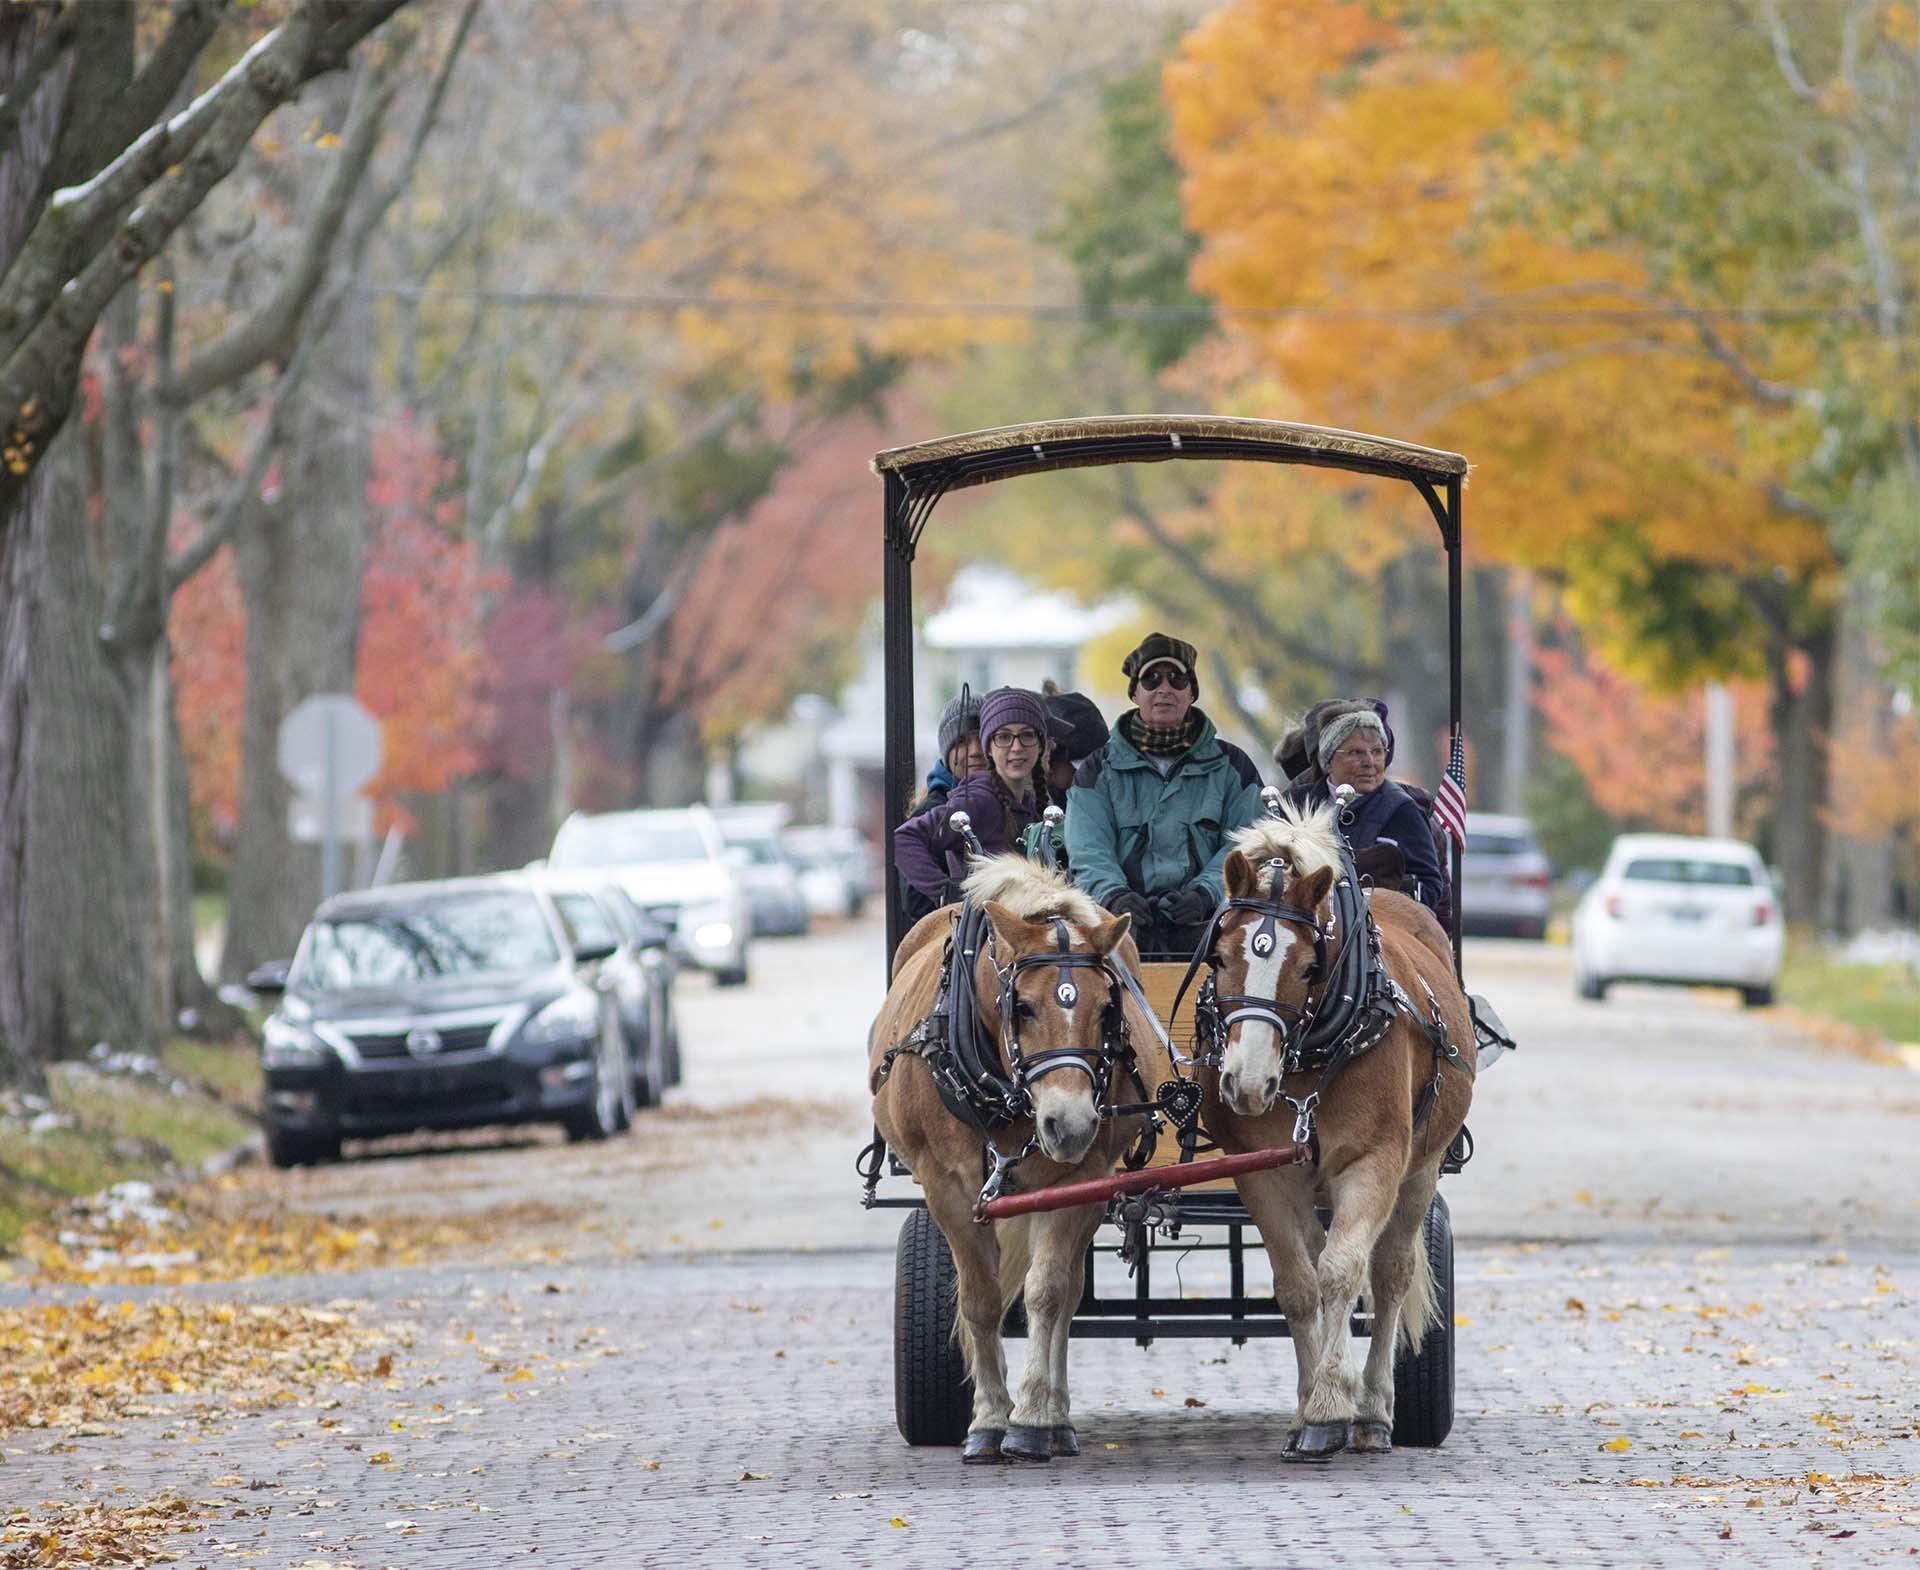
(897, 648)
(1450, 530)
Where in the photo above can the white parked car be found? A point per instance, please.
(1674, 908)
(674, 865)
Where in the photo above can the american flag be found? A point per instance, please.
(1450, 801)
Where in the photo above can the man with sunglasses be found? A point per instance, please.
(1150, 813)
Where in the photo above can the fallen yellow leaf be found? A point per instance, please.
(379, 1456)
(897, 1521)
(1618, 1443)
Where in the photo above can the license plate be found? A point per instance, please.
(1687, 913)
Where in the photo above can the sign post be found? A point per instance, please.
(329, 748)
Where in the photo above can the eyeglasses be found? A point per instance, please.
(1363, 754)
(1172, 675)
(1009, 739)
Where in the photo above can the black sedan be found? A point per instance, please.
(436, 1006)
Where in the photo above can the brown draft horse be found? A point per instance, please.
(1046, 1017)
(1376, 1170)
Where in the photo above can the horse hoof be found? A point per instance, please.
(1027, 1442)
(1370, 1438)
(1318, 1441)
(983, 1446)
(1065, 1441)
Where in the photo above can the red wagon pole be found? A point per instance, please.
(1096, 1190)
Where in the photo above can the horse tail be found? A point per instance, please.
(1422, 1304)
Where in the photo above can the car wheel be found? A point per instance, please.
(1592, 988)
(288, 1149)
(609, 1109)
(733, 976)
(1756, 997)
(1534, 930)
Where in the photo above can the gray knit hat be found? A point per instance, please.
(959, 718)
(1012, 706)
(1335, 732)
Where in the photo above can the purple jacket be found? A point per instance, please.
(930, 854)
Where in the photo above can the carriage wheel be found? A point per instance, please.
(932, 1400)
(1423, 1380)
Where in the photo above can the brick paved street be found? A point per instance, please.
(1685, 1230)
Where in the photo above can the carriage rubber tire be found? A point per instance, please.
(293, 1150)
(1423, 1380)
(932, 1398)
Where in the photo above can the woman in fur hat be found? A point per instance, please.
(1002, 800)
(1348, 742)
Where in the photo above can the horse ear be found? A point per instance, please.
(1237, 872)
(1109, 935)
(1314, 888)
(1006, 925)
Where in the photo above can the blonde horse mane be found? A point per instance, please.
(1305, 841)
(1030, 890)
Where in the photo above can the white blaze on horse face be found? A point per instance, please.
(1065, 1116)
(1253, 1055)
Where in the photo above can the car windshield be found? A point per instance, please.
(1689, 869)
(761, 851)
(589, 923)
(616, 841)
(1481, 842)
(430, 939)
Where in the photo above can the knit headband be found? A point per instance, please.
(1338, 730)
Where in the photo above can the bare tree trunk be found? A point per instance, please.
(1414, 642)
(1860, 873)
(89, 949)
(22, 1046)
(1802, 712)
(300, 567)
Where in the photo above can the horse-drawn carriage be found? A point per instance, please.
(1177, 1059)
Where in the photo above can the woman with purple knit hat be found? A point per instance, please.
(1002, 800)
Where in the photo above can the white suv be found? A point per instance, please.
(1674, 908)
(674, 865)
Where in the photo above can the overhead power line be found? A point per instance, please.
(1083, 311)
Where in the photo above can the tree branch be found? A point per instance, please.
(147, 96)
(244, 492)
(269, 332)
(54, 42)
(1234, 597)
(1783, 52)
(42, 365)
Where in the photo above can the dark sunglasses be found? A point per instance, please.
(1174, 677)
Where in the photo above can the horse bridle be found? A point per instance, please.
(1218, 1012)
(1063, 959)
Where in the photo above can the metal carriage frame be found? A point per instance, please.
(932, 1405)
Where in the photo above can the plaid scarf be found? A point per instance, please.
(1160, 741)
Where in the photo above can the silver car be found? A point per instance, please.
(1506, 881)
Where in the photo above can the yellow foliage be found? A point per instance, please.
(1343, 169)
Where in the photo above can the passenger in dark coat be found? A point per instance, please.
(1389, 831)
(1003, 801)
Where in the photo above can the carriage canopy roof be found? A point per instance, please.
(979, 457)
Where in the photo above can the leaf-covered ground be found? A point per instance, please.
(98, 1534)
(78, 1369)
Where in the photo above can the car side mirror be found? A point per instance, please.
(587, 953)
(270, 977)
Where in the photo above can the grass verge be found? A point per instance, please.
(112, 1130)
(1883, 999)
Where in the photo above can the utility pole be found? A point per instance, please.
(1720, 760)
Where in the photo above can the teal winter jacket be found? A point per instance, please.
(1128, 828)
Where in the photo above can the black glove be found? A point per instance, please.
(1128, 903)
(1188, 907)
(1384, 866)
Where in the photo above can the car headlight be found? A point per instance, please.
(708, 926)
(286, 1045)
(574, 1017)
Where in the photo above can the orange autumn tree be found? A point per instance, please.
(1643, 753)
(1341, 167)
(421, 666)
